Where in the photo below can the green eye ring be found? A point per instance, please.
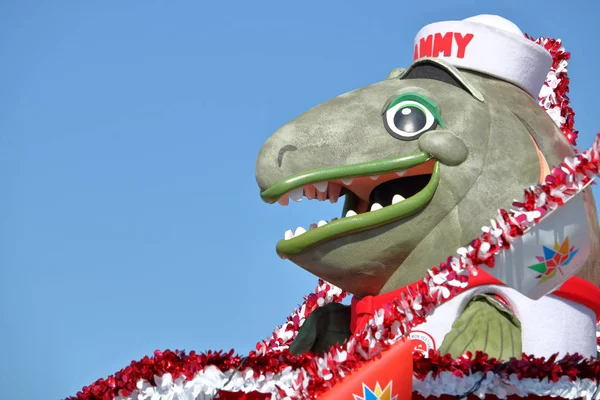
(410, 115)
(417, 98)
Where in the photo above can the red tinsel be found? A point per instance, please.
(179, 363)
(561, 100)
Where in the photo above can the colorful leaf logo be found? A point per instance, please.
(554, 260)
(378, 393)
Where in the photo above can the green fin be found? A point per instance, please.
(324, 327)
(486, 325)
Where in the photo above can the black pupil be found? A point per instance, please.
(410, 119)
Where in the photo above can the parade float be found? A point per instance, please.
(459, 290)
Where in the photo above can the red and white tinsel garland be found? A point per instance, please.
(553, 96)
(272, 370)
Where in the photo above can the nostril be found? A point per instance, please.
(444, 146)
(282, 151)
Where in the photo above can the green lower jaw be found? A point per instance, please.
(357, 223)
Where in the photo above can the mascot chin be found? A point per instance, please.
(422, 161)
(459, 290)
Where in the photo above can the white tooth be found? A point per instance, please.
(401, 173)
(321, 186)
(321, 223)
(299, 231)
(376, 206)
(312, 226)
(296, 194)
(334, 192)
(309, 192)
(350, 213)
(334, 219)
(347, 181)
(374, 177)
(289, 234)
(397, 199)
(284, 200)
(322, 196)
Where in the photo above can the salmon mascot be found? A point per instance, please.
(422, 161)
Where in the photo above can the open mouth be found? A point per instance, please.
(375, 193)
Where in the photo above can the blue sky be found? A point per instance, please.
(130, 219)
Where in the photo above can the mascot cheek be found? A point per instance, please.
(444, 146)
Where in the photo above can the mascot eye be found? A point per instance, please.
(410, 115)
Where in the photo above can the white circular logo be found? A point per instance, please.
(422, 342)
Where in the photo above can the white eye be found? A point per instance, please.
(408, 119)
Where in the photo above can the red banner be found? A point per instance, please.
(387, 376)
